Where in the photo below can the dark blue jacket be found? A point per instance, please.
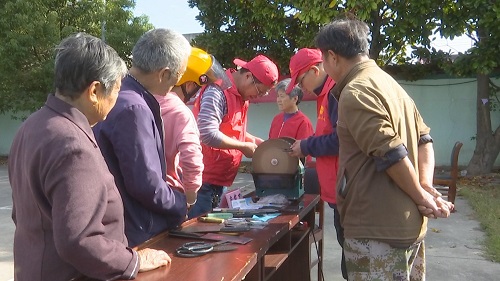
(131, 140)
(326, 144)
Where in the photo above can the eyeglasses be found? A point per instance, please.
(259, 93)
(302, 79)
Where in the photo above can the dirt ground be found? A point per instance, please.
(492, 179)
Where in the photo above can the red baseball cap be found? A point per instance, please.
(262, 68)
(302, 60)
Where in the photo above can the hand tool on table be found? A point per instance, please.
(196, 249)
(220, 215)
(211, 219)
(246, 213)
(210, 236)
(246, 222)
(209, 227)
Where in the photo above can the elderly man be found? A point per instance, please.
(222, 119)
(384, 185)
(131, 138)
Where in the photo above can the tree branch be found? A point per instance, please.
(494, 89)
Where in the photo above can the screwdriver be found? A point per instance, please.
(211, 220)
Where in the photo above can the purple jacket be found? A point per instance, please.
(66, 207)
(131, 140)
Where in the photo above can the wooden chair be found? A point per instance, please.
(447, 183)
(311, 186)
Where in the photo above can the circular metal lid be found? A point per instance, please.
(270, 157)
(288, 139)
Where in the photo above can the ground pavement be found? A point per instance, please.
(454, 250)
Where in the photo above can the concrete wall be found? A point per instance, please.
(447, 105)
(8, 128)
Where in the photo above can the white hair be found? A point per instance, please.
(282, 85)
(160, 48)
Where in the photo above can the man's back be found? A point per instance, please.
(375, 116)
(132, 145)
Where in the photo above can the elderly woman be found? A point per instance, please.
(66, 207)
(290, 122)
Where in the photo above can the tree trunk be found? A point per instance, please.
(487, 141)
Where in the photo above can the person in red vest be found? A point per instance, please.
(290, 122)
(221, 113)
(306, 69)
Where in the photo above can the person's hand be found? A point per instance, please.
(433, 207)
(258, 141)
(296, 151)
(151, 259)
(432, 190)
(447, 206)
(248, 149)
(426, 212)
(444, 207)
(191, 196)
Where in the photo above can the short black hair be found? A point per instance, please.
(346, 37)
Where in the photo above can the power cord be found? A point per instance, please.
(320, 258)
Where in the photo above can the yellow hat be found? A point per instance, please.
(203, 68)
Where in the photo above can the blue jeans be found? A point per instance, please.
(208, 198)
(340, 237)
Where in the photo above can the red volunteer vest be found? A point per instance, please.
(326, 166)
(221, 165)
(291, 127)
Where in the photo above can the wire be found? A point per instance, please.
(440, 85)
(320, 258)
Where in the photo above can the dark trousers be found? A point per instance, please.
(340, 237)
(208, 198)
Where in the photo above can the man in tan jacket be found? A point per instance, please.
(386, 162)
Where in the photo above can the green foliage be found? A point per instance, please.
(477, 19)
(244, 28)
(431, 66)
(278, 28)
(393, 24)
(30, 29)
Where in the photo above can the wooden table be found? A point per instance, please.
(277, 252)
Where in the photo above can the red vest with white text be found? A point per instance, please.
(326, 166)
(221, 165)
